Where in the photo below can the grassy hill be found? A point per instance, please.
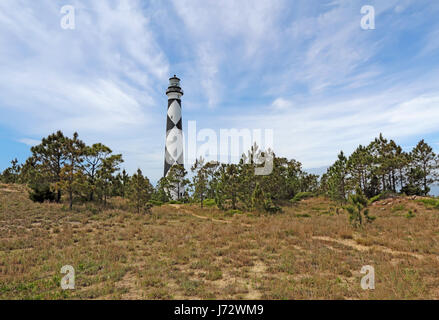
(184, 252)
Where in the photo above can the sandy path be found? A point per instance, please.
(353, 244)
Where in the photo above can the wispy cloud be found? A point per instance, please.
(100, 79)
(304, 68)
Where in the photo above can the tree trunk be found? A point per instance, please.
(393, 181)
(425, 179)
(70, 200)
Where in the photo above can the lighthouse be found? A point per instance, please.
(174, 130)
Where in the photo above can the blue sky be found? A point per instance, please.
(305, 69)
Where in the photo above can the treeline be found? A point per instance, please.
(65, 167)
(381, 167)
(239, 186)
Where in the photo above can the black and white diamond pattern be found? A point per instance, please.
(174, 135)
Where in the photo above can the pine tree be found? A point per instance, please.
(139, 192)
(258, 199)
(93, 161)
(357, 209)
(176, 180)
(200, 180)
(161, 192)
(337, 179)
(72, 179)
(11, 174)
(228, 185)
(424, 160)
(49, 157)
(105, 177)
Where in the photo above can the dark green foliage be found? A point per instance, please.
(258, 199)
(65, 166)
(49, 158)
(40, 192)
(175, 182)
(382, 196)
(139, 194)
(357, 209)
(410, 215)
(337, 179)
(381, 167)
(62, 165)
(270, 207)
(424, 162)
(202, 180)
(412, 190)
(161, 192)
(237, 186)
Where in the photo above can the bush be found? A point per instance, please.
(41, 193)
(357, 209)
(430, 202)
(270, 207)
(410, 215)
(231, 213)
(301, 196)
(175, 202)
(155, 203)
(303, 215)
(413, 190)
(375, 199)
(92, 209)
(382, 196)
(209, 202)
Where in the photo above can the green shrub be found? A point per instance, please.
(155, 203)
(381, 196)
(357, 209)
(175, 202)
(41, 192)
(375, 199)
(410, 215)
(270, 207)
(430, 202)
(412, 190)
(231, 213)
(303, 215)
(301, 196)
(209, 202)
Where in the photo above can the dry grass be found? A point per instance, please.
(184, 252)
